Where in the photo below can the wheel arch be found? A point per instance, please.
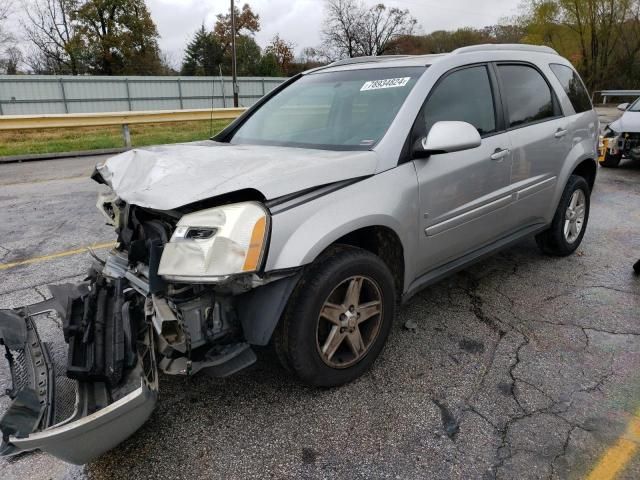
(581, 162)
(587, 169)
(383, 242)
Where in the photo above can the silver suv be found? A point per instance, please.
(303, 225)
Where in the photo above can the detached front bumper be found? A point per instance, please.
(74, 416)
(79, 398)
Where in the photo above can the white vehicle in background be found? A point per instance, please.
(621, 139)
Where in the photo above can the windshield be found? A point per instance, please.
(349, 110)
(635, 106)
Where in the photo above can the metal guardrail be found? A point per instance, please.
(20, 122)
(124, 119)
(606, 94)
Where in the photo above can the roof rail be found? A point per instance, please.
(368, 59)
(488, 47)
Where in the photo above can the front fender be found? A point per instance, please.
(388, 199)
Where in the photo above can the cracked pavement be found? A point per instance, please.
(522, 366)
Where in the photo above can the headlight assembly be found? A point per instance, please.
(212, 244)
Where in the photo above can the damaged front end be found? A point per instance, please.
(183, 291)
(623, 145)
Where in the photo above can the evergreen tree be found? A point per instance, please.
(248, 56)
(203, 55)
(269, 66)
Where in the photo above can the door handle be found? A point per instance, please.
(560, 133)
(500, 153)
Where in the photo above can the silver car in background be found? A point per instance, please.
(303, 225)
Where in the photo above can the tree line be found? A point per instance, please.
(209, 52)
(99, 37)
(119, 37)
(600, 37)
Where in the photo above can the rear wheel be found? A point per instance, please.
(570, 220)
(338, 319)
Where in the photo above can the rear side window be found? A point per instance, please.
(526, 93)
(464, 95)
(573, 87)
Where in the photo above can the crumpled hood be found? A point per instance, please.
(629, 122)
(167, 177)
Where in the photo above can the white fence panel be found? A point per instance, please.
(39, 94)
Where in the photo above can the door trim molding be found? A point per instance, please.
(536, 187)
(468, 216)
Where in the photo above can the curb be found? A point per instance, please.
(59, 155)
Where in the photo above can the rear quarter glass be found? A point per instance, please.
(573, 87)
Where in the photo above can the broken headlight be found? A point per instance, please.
(608, 141)
(212, 244)
(107, 204)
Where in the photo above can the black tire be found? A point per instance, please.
(296, 338)
(553, 240)
(611, 161)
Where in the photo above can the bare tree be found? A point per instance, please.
(49, 27)
(341, 27)
(10, 60)
(352, 29)
(380, 25)
(6, 7)
(10, 54)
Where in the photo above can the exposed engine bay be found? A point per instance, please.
(196, 325)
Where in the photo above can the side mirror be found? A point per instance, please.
(447, 137)
(623, 107)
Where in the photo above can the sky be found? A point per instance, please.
(300, 21)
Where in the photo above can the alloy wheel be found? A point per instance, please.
(349, 321)
(574, 216)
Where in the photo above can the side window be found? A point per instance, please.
(526, 93)
(573, 87)
(464, 95)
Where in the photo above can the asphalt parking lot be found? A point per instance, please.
(522, 366)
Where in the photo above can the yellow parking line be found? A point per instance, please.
(616, 458)
(44, 258)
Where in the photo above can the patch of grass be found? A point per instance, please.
(54, 140)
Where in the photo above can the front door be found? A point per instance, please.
(464, 196)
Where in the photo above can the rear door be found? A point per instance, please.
(540, 140)
(583, 121)
(463, 195)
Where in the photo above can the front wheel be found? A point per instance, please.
(570, 220)
(610, 160)
(338, 318)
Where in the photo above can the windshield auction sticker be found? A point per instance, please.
(386, 83)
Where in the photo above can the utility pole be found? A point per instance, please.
(234, 72)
